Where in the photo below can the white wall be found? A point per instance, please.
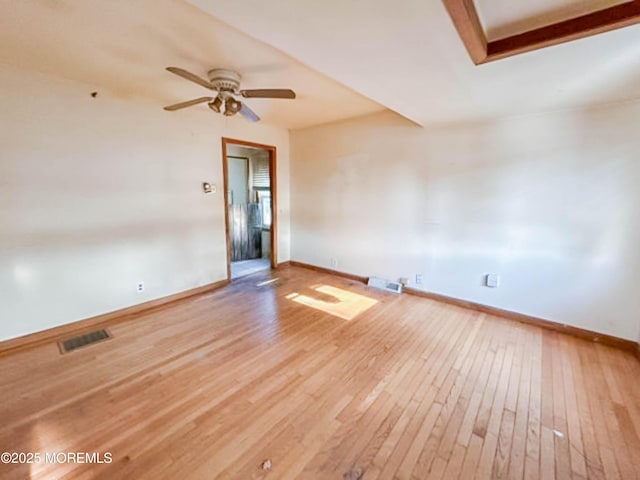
(550, 202)
(98, 194)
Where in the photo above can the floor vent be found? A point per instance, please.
(73, 343)
(383, 284)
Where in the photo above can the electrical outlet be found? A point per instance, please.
(418, 278)
(334, 262)
(140, 287)
(492, 280)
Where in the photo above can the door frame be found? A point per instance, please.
(272, 187)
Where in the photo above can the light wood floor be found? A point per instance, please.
(409, 388)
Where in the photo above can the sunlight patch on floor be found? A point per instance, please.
(341, 303)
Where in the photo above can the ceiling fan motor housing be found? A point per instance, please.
(224, 80)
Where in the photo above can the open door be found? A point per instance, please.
(249, 171)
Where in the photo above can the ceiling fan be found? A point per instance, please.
(227, 85)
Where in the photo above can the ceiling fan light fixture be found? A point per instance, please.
(226, 84)
(231, 106)
(216, 105)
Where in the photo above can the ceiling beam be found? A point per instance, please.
(465, 18)
(601, 21)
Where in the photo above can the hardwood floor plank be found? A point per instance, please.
(359, 424)
(481, 375)
(609, 464)
(439, 437)
(590, 445)
(574, 429)
(560, 430)
(518, 447)
(471, 458)
(547, 454)
(354, 446)
(454, 465)
(496, 412)
(389, 456)
(620, 448)
(532, 449)
(501, 460)
(214, 385)
(418, 415)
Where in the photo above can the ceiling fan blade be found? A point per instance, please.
(189, 103)
(268, 93)
(190, 76)
(249, 114)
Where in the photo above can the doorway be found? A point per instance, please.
(249, 171)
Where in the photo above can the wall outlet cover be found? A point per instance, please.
(492, 280)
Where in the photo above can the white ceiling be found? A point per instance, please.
(407, 56)
(123, 47)
(343, 58)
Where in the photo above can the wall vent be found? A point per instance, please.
(382, 284)
(73, 343)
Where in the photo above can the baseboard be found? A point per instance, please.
(350, 276)
(602, 338)
(284, 264)
(38, 338)
(597, 337)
